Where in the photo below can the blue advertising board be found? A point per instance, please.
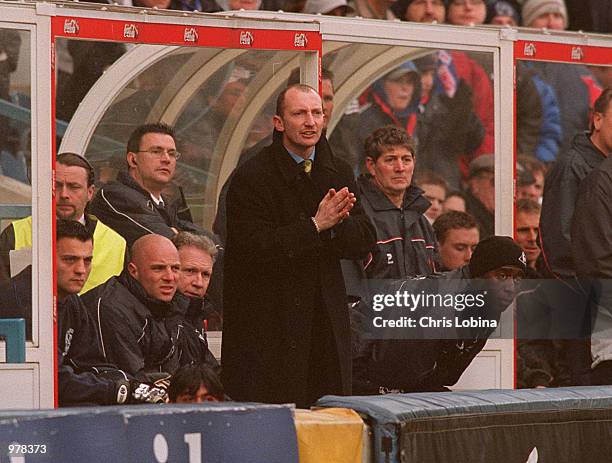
(228, 432)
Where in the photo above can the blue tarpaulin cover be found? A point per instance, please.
(399, 420)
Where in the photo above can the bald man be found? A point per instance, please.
(142, 316)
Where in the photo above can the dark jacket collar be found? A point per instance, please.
(413, 197)
(159, 309)
(127, 180)
(590, 153)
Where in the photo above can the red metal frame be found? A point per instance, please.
(185, 35)
(562, 52)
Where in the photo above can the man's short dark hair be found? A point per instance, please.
(602, 103)
(73, 159)
(72, 229)
(204, 243)
(386, 137)
(453, 220)
(189, 378)
(280, 101)
(528, 206)
(133, 144)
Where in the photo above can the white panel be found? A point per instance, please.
(19, 386)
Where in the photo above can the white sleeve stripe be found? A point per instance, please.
(100, 330)
(121, 213)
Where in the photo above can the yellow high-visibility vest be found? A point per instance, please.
(108, 251)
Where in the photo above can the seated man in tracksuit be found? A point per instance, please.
(74, 188)
(84, 377)
(143, 318)
(406, 242)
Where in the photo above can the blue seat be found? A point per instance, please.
(12, 330)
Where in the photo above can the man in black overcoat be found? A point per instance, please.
(291, 217)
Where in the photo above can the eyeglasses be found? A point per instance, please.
(158, 152)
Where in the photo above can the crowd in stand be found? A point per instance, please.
(298, 235)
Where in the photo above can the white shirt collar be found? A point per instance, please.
(158, 201)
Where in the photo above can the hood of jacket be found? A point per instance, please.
(380, 97)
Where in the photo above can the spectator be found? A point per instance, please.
(574, 86)
(466, 12)
(434, 189)
(527, 222)
(286, 334)
(195, 384)
(592, 239)
(420, 11)
(560, 190)
(226, 99)
(503, 13)
(442, 125)
(134, 204)
(530, 179)
(74, 188)
(327, 7)
(538, 117)
(197, 254)
(480, 197)
(603, 75)
(406, 242)
(448, 127)
(142, 320)
(372, 9)
(455, 201)
(457, 234)
(565, 300)
(549, 14)
(83, 375)
(394, 100)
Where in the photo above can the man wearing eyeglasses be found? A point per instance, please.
(134, 204)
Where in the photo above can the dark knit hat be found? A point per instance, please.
(496, 252)
(503, 8)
